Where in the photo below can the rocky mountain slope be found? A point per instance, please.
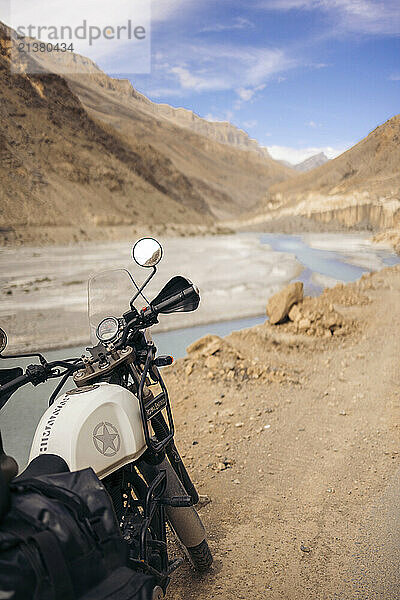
(75, 65)
(358, 188)
(308, 164)
(219, 131)
(312, 163)
(82, 158)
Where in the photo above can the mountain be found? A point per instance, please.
(85, 156)
(76, 67)
(361, 187)
(220, 131)
(308, 164)
(317, 160)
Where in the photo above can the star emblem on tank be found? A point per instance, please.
(106, 439)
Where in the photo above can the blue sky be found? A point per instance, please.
(298, 75)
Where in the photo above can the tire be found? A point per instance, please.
(185, 522)
(201, 557)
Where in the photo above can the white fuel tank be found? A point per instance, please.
(98, 426)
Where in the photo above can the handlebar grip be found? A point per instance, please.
(12, 386)
(171, 301)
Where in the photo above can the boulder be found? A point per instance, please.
(207, 345)
(279, 305)
(295, 313)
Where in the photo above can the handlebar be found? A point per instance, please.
(7, 389)
(157, 308)
(35, 374)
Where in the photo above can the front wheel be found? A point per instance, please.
(201, 556)
(184, 521)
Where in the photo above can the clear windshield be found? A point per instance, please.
(109, 294)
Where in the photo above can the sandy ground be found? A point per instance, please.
(44, 290)
(301, 463)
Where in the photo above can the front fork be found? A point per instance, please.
(162, 498)
(178, 507)
(160, 427)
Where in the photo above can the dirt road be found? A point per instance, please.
(302, 465)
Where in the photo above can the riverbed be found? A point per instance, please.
(236, 275)
(44, 290)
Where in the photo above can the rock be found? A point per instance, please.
(295, 313)
(203, 501)
(208, 341)
(229, 363)
(189, 369)
(332, 321)
(221, 467)
(213, 347)
(279, 305)
(212, 362)
(339, 332)
(304, 324)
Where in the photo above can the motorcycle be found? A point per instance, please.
(118, 418)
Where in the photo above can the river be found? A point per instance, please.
(318, 260)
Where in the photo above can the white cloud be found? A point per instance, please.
(238, 23)
(394, 77)
(297, 155)
(247, 94)
(285, 4)
(166, 10)
(190, 81)
(312, 124)
(217, 67)
(365, 16)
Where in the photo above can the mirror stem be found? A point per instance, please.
(140, 290)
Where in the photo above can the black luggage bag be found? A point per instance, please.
(60, 540)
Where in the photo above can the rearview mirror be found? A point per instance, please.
(147, 252)
(3, 340)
